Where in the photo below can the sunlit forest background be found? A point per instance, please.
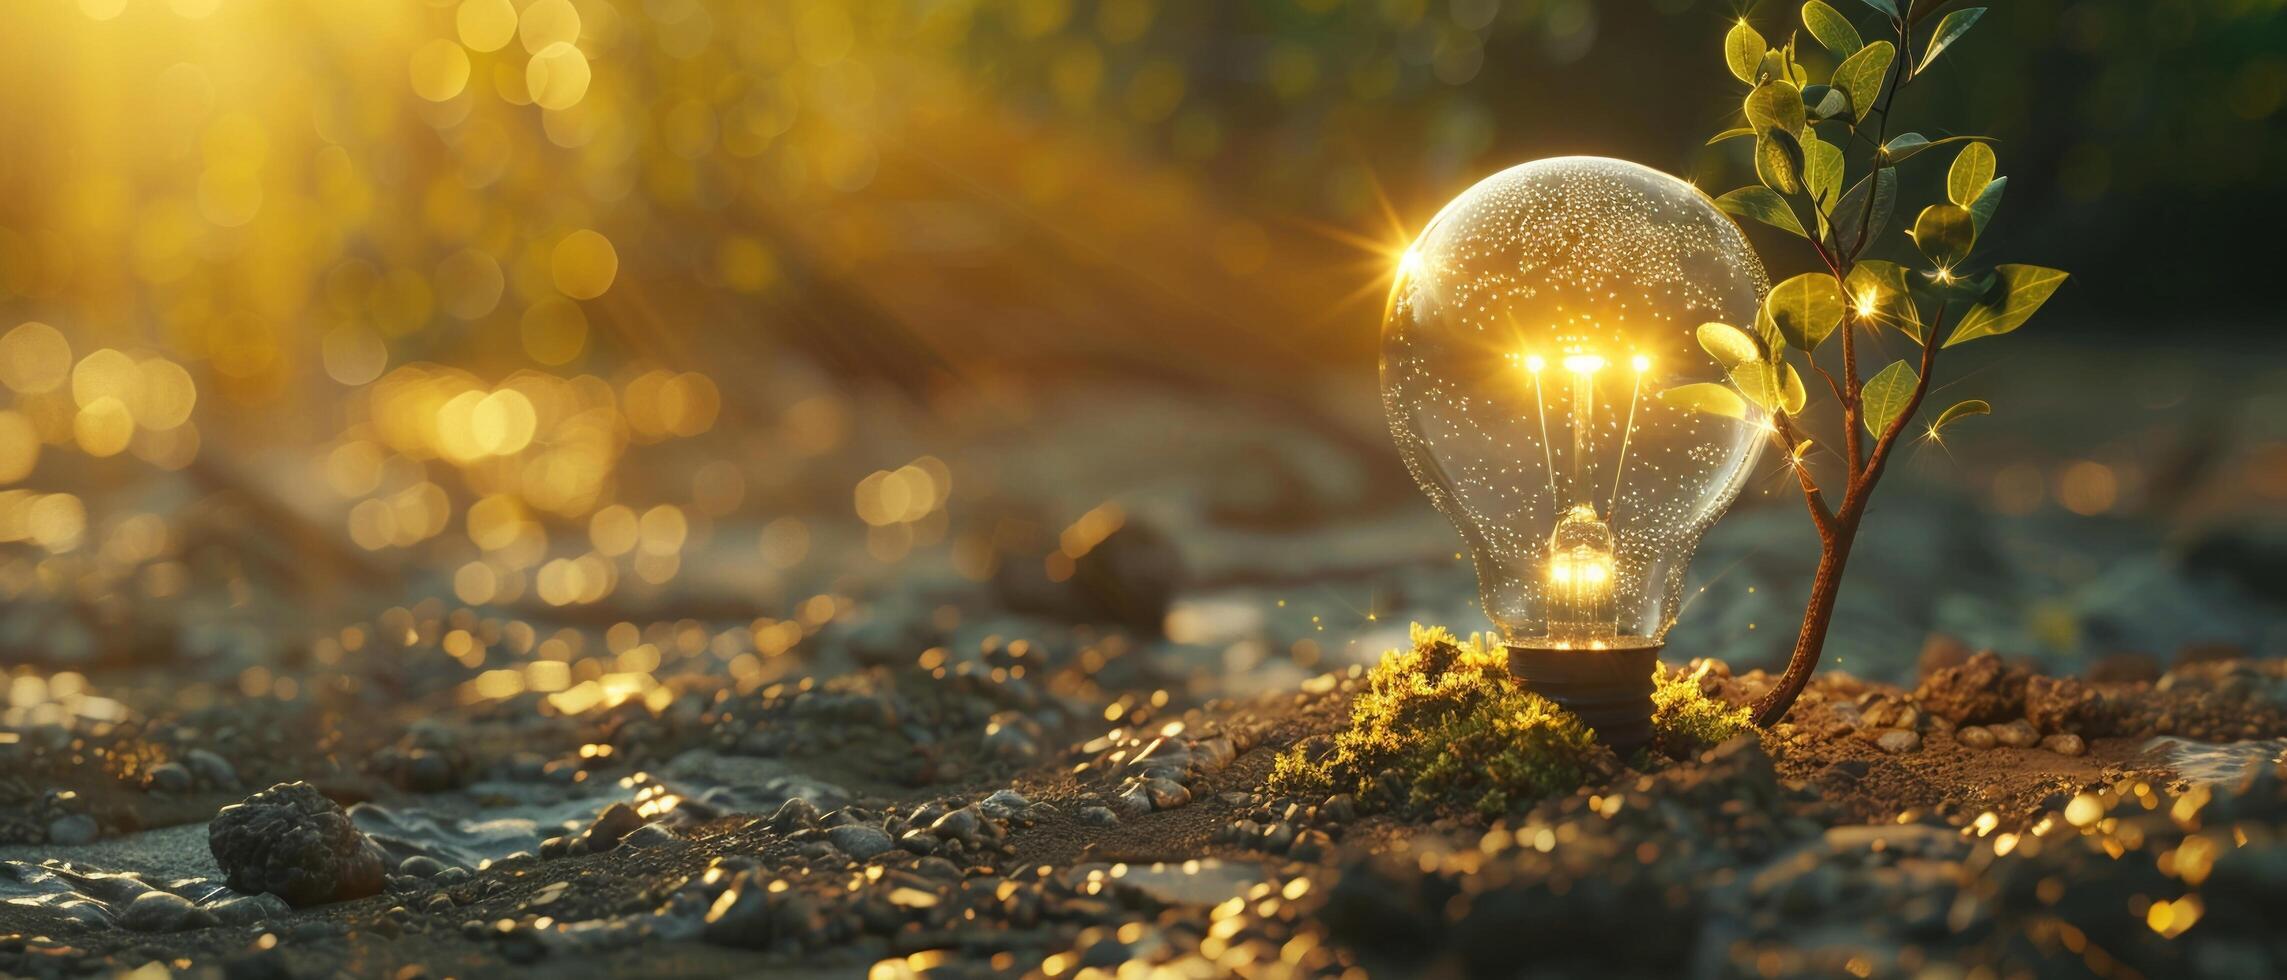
(476, 326)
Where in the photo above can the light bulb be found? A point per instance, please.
(1528, 335)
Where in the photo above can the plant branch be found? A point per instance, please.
(1813, 498)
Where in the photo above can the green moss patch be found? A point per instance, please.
(1442, 725)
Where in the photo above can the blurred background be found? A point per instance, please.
(507, 338)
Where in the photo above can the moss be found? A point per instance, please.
(1442, 724)
(1685, 720)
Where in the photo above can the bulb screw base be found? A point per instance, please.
(1611, 690)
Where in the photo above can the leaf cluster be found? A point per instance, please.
(1810, 138)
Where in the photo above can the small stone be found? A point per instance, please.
(1278, 837)
(2066, 744)
(1898, 740)
(71, 829)
(2017, 734)
(860, 841)
(1976, 737)
(794, 814)
(648, 835)
(1166, 794)
(1005, 803)
(170, 777)
(157, 911)
(1099, 816)
(960, 825)
(211, 769)
(920, 842)
(421, 866)
(618, 820)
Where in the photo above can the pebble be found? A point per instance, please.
(618, 820)
(648, 835)
(421, 866)
(1099, 816)
(293, 842)
(212, 769)
(1166, 794)
(960, 825)
(171, 777)
(2066, 744)
(1898, 740)
(1005, 803)
(158, 911)
(1976, 737)
(72, 828)
(860, 841)
(2018, 734)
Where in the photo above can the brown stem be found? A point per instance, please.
(1834, 553)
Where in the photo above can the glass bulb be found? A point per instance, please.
(1529, 332)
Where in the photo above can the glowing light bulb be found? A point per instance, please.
(1581, 494)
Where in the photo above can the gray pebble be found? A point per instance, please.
(1898, 740)
(860, 841)
(157, 911)
(72, 828)
(171, 777)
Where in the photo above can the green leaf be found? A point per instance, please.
(1822, 171)
(1860, 76)
(1806, 309)
(1729, 134)
(1705, 397)
(1878, 292)
(1972, 169)
(1851, 210)
(2017, 291)
(1743, 51)
(1764, 205)
(1908, 144)
(1777, 387)
(1825, 102)
(1833, 30)
(1945, 233)
(1729, 345)
(1887, 8)
(1778, 104)
(1950, 29)
(1960, 410)
(1988, 201)
(1885, 395)
(1779, 161)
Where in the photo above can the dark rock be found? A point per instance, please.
(960, 825)
(170, 777)
(211, 769)
(1005, 803)
(1099, 816)
(1166, 794)
(72, 828)
(293, 842)
(421, 866)
(1981, 690)
(1127, 577)
(794, 814)
(648, 835)
(860, 841)
(618, 820)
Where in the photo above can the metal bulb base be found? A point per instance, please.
(1610, 690)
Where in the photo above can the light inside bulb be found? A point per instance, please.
(1581, 495)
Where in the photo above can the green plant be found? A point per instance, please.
(1442, 724)
(1684, 720)
(1808, 139)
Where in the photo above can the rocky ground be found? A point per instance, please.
(898, 805)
